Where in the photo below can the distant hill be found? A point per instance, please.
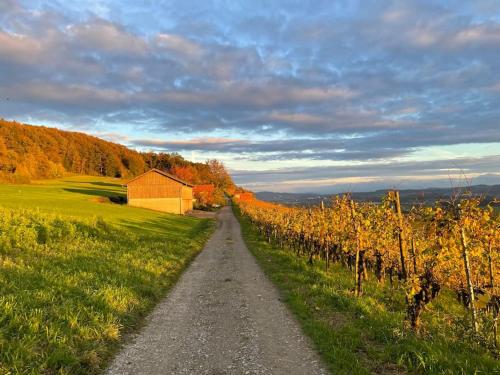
(410, 196)
(30, 152)
(36, 152)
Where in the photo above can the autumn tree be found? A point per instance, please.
(218, 174)
(36, 152)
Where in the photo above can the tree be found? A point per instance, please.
(187, 173)
(36, 152)
(218, 174)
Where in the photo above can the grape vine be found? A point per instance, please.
(453, 244)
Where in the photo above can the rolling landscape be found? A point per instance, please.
(409, 197)
(249, 188)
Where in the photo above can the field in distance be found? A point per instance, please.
(78, 271)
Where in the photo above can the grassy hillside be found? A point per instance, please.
(366, 335)
(77, 271)
(83, 196)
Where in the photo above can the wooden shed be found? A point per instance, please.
(160, 191)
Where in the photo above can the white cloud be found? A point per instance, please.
(106, 37)
(477, 35)
(344, 84)
(19, 48)
(179, 45)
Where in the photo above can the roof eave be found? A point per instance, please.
(175, 178)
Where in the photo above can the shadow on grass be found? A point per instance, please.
(96, 183)
(172, 226)
(96, 192)
(106, 184)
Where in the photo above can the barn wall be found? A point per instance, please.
(187, 198)
(187, 205)
(154, 191)
(161, 193)
(171, 205)
(154, 185)
(187, 192)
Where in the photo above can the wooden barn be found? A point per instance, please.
(160, 191)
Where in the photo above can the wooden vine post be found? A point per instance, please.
(492, 284)
(470, 287)
(397, 207)
(327, 245)
(467, 268)
(357, 274)
(490, 267)
(413, 255)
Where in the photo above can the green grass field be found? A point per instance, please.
(85, 197)
(367, 335)
(77, 272)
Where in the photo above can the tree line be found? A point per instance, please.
(36, 152)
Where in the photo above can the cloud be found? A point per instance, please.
(179, 45)
(195, 144)
(18, 48)
(104, 37)
(245, 94)
(272, 150)
(375, 175)
(301, 118)
(478, 34)
(364, 84)
(388, 144)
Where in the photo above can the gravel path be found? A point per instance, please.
(222, 317)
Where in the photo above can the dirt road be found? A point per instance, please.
(222, 317)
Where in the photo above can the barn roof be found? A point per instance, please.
(175, 178)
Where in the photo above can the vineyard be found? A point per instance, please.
(423, 250)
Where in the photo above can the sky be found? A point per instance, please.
(293, 96)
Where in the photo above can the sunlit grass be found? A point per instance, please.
(76, 274)
(87, 196)
(367, 335)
